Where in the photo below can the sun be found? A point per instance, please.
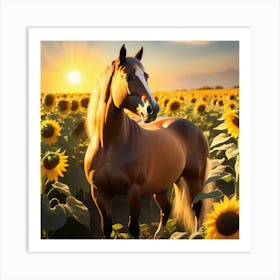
(74, 77)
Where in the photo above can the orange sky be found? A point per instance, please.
(171, 65)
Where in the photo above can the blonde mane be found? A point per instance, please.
(97, 108)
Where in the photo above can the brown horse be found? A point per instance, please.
(136, 158)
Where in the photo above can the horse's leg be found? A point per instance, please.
(195, 184)
(165, 208)
(103, 204)
(134, 201)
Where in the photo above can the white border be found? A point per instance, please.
(263, 260)
(243, 35)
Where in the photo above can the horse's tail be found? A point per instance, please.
(182, 204)
(207, 203)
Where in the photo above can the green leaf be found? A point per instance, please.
(75, 177)
(232, 151)
(219, 139)
(217, 171)
(197, 235)
(227, 178)
(236, 167)
(216, 162)
(123, 235)
(52, 218)
(222, 126)
(224, 147)
(117, 226)
(216, 178)
(214, 194)
(78, 210)
(222, 118)
(61, 188)
(179, 235)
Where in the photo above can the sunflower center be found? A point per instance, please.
(166, 101)
(74, 106)
(227, 223)
(235, 121)
(49, 100)
(201, 108)
(50, 161)
(174, 106)
(63, 105)
(47, 130)
(84, 102)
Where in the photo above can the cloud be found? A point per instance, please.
(226, 78)
(195, 42)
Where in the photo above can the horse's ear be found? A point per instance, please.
(139, 54)
(122, 56)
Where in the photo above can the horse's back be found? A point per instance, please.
(184, 134)
(180, 127)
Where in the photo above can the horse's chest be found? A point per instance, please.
(114, 170)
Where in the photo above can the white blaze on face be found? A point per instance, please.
(140, 74)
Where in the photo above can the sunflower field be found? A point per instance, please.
(66, 202)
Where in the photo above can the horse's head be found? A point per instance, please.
(130, 89)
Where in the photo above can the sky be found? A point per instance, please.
(75, 66)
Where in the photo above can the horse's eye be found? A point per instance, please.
(129, 78)
(146, 76)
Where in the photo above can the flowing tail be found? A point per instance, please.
(182, 204)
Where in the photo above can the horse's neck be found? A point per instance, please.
(105, 121)
(112, 125)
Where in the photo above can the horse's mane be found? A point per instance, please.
(97, 106)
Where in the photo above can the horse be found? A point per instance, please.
(130, 157)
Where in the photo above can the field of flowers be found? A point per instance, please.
(65, 195)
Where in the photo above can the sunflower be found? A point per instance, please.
(231, 105)
(193, 100)
(232, 96)
(232, 123)
(53, 164)
(84, 102)
(50, 131)
(200, 107)
(174, 105)
(63, 106)
(214, 101)
(223, 221)
(74, 106)
(165, 102)
(49, 101)
(221, 102)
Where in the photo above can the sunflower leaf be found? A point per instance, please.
(179, 235)
(225, 176)
(221, 118)
(62, 188)
(232, 151)
(216, 162)
(219, 139)
(236, 166)
(217, 170)
(77, 210)
(117, 226)
(222, 126)
(52, 218)
(214, 194)
(224, 147)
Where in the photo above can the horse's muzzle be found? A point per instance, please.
(150, 114)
